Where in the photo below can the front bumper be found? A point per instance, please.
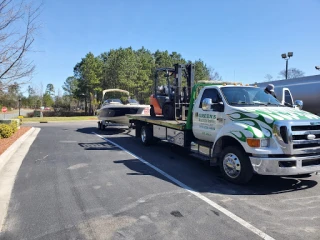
(286, 166)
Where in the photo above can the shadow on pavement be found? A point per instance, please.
(260, 185)
(111, 130)
(140, 168)
(189, 170)
(200, 176)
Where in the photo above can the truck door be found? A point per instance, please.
(207, 123)
(287, 97)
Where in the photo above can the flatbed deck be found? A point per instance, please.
(179, 125)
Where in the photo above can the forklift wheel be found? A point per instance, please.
(168, 112)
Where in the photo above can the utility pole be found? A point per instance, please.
(285, 57)
(19, 104)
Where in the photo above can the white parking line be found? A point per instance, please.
(197, 194)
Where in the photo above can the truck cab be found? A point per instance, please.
(272, 138)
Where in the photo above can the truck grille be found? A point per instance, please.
(305, 137)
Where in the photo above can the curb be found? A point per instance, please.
(4, 157)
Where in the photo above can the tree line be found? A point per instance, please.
(127, 69)
(34, 97)
(292, 73)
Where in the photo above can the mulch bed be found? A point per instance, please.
(5, 143)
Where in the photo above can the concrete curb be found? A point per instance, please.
(4, 157)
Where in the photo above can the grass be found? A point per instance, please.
(59, 119)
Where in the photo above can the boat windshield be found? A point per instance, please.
(133, 101)
(248, 96)
(112, 101)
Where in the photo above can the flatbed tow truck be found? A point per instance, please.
(241, 129)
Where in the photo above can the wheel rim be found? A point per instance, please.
(231, 165)
(143, 135)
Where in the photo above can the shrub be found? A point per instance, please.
(30, 114)
(14, 126)
(6, 131)
(20, 119)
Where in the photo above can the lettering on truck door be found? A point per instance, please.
(207, 123)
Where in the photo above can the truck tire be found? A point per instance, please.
(168, 112)
(152, 113)
(146, 135)
(235, 165)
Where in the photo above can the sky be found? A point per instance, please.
(241, 39)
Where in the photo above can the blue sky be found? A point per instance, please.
(241, 39)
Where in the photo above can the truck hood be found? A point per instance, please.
(258, 121)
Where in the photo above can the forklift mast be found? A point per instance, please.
(169, 72)
(182, 93)
(177, 97)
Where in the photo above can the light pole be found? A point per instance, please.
(317, 67)
(284, 56)
(19, 104)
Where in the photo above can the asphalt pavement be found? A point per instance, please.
(74, 184)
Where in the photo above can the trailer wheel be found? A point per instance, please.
(146, 135)
(152, 112)
(235, 165)
(101, 125)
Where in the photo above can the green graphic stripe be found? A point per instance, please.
(242, 138)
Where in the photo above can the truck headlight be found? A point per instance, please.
(258, 142)
(265, 142)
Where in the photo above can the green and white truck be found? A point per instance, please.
(242, 129)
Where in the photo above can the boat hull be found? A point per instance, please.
(117, 114)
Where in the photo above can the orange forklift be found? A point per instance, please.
(172, 99)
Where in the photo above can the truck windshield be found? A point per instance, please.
(248, 96)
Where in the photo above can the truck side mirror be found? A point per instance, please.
(299, 104)
(206, 104)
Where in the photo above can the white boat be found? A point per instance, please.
(113, 110)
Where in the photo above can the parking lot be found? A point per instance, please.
(78, 182)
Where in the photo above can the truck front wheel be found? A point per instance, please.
(146, 135)
(235, 165)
